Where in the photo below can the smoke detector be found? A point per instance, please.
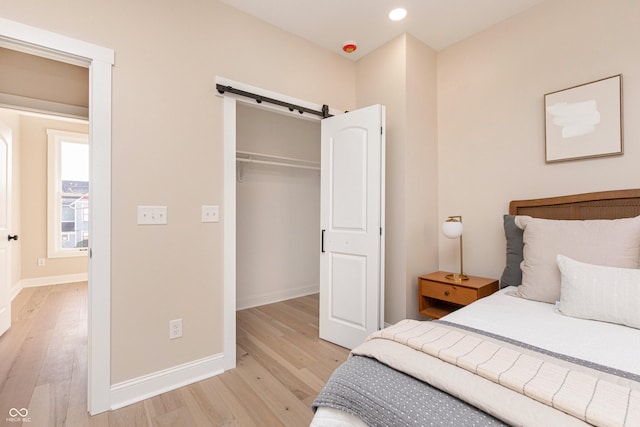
(349, 46)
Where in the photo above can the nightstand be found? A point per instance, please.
(439, 296)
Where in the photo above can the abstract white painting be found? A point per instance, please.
(584, 121)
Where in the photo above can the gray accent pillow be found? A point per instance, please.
(512, 274)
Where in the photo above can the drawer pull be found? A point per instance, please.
(446, 293)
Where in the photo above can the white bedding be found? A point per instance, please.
(539, 324)
(329, 417)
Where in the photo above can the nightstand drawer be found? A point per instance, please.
(439, 296)
(450, 293)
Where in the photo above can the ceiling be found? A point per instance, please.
(329, 23)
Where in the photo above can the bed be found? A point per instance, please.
(557, 345)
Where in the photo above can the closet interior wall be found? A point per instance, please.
(278, 208)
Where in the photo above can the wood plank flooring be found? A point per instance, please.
(281, 367)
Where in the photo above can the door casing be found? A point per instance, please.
(99, 60)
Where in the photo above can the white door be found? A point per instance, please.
(5, 205)
(351, 221)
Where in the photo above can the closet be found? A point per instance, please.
(277, 206)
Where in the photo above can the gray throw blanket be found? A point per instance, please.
(382, 396)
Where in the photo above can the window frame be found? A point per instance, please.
(55, 138)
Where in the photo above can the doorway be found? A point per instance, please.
(99, 61)
(367, 127)
(230, 103)
(278, 207)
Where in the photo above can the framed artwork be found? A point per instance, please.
(584, 121)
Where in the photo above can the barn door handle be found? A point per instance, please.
(10, 237)
(322, 242)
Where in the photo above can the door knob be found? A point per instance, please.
(10, 237)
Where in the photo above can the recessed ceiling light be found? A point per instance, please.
(397, 14)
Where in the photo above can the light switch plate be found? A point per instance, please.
(210, 213)
(152, 215)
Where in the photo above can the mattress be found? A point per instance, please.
(329, 417)
(540, 326)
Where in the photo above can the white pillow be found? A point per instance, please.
(613, 243)
(609, 294)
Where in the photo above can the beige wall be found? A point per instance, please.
(167, 150)
(491, 122)
(381, 80)
(278, 209)
(421, 170)
(33, 203)
(34, 77)
(402, 76)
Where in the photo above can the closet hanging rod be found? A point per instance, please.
(268, 162)
(270, 159)
(324, 113)
(272, 156)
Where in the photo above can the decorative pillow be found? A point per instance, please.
(512, 275)
(597, 292)
(612, 243)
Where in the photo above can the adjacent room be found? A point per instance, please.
(46, 112)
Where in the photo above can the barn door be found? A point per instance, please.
(352, 219)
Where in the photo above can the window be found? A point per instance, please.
(68, 194)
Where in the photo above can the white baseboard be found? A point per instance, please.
(15, 290)
(272, 297)
(46, 281)
(54, 280)
(141, 388)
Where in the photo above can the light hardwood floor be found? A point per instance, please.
(281, 367)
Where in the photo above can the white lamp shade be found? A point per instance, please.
(452, 229)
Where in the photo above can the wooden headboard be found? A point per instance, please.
(600, 205)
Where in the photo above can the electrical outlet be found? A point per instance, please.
(175, 328)
(42, 262)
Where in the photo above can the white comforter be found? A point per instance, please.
(540, 325)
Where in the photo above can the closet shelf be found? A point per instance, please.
(268, 159)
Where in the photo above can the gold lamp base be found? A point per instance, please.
(457, 277)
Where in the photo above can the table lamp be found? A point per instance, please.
(452, 228)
